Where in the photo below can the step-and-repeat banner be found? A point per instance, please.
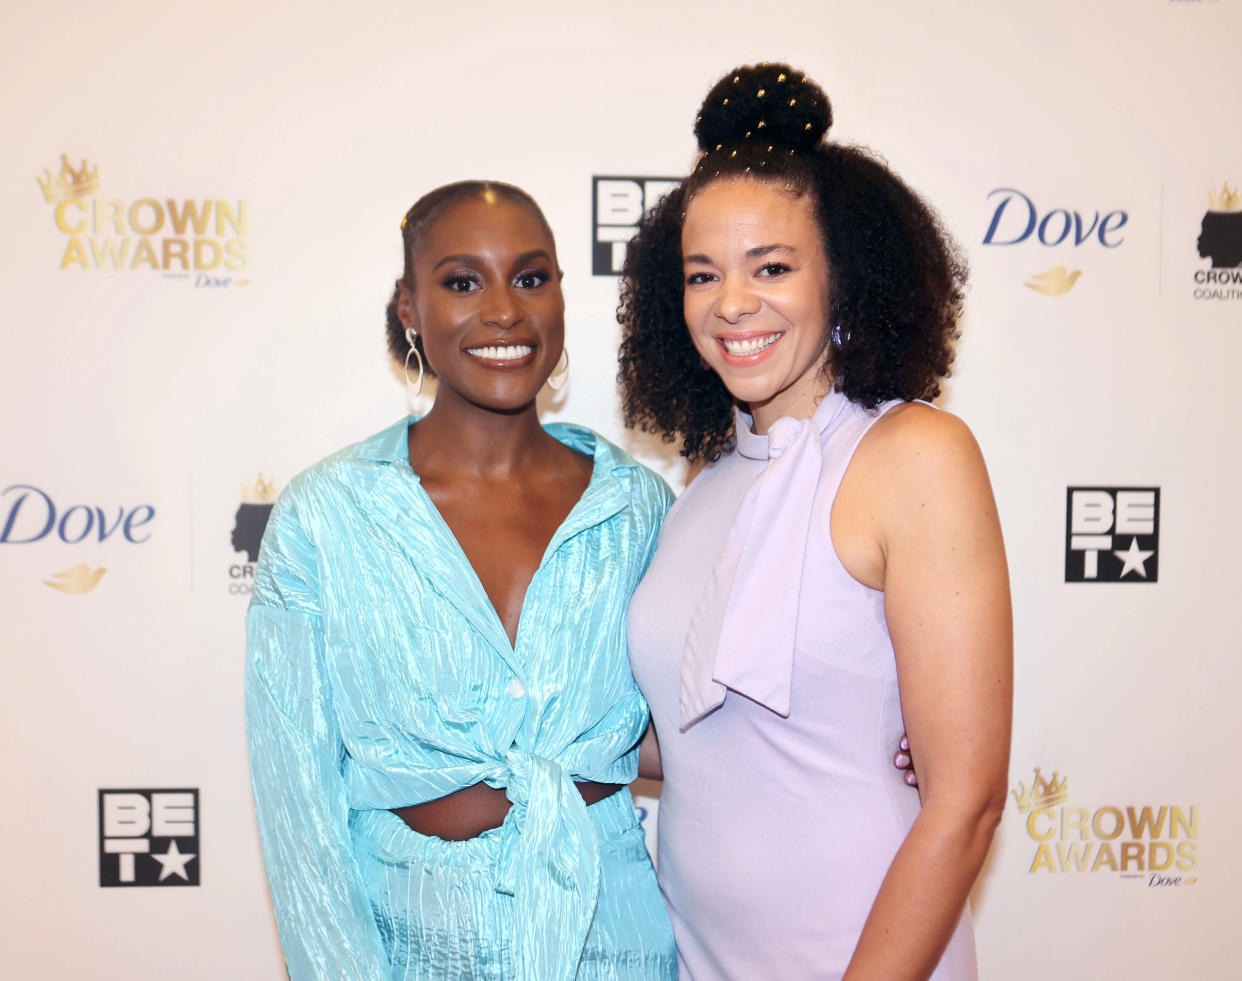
(201, 230)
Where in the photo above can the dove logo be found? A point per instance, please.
(617, 205)
(149, 838)
(32, 516)
(1056, 281)
(1016, 219)
(77, 580)
(1112, 534)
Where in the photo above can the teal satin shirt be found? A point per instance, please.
(379, 675)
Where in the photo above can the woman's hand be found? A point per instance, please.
(904, 761)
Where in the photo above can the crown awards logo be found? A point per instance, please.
(1112, 534)
(249, 523)
(1156, 844)
(1016, 220)
(1220, 240)
(617, 206)
(149, 838)
(203, 241)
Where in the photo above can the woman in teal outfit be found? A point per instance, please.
(440, 708)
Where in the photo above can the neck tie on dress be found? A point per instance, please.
(743, 630)
(550, 866)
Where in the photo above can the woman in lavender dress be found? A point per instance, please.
(834, 576)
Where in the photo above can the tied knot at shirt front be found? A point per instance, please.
(744, 627)
(379, 676)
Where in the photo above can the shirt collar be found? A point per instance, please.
(391, 445)
(756, 447)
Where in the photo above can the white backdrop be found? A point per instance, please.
(145, 389)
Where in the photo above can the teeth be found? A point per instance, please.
(750, 345)
(506, 352)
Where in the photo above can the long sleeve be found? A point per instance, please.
(326, 925)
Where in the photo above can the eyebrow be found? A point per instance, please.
(762, 250)
(526, 257)
(757, 252)
(474, 260)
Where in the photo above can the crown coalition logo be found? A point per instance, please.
(1017, 220)
(249, 523)
(1112, 534)
(617, 206)
(1220, 240)
(149, 838)
(203, 241)
(1155, 844)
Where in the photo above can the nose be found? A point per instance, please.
(503, 310)
(735, 300)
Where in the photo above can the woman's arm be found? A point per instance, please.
(649, 765)
(947, 606)
(327, 929)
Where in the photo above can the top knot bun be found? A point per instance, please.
(765, 101)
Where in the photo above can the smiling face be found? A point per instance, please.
(486, 301)
(756, 299)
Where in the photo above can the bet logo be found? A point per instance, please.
(1112, 534)
(149, 838)
(617, 206)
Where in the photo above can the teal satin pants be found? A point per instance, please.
(441, 915)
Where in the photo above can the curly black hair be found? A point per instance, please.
(896, 277)
(414, 228)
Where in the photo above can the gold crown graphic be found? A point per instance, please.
(1224, 199)
(260, 492)
(1043, 793)
(69, 183)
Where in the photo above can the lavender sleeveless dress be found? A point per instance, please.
(773, 689)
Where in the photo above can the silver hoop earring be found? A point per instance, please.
(560, 373)
(414, 390)
(839, 337)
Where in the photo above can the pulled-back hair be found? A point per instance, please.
(896, 279)
(414, 228)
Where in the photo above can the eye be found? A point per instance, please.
(531, 279)
(772, 269)
(699, 278)
(460, 282)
